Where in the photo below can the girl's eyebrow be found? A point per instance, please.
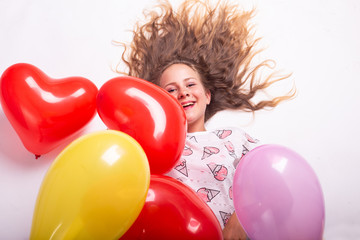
(170, 83)
(185, 79)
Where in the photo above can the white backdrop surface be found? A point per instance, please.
(317, 40)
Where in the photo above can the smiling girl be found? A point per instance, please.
(185, 84)
(203, 56)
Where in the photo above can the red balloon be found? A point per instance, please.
(44, 111)
(147, 113)
(173, 211)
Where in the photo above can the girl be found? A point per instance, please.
(202, 55)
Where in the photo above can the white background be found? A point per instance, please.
(317, 40)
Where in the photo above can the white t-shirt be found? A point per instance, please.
(208, 163)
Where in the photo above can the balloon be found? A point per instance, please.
(147, 113)
(173, 211)
(43, 111)
(278, 196)
(95, 189)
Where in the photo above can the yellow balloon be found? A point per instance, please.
(95, 189)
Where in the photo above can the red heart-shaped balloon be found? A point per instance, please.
(147, 113)
(173, 211)
(44, 111)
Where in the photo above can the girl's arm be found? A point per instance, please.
(233, 229)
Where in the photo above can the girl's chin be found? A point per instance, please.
(189, 119)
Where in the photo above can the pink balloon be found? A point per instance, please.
(278, 196)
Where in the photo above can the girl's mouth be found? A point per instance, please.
(187, 105)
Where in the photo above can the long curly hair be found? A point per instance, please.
(216, 41)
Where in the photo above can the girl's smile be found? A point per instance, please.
(187, 105)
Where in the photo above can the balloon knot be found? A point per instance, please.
(37, 156)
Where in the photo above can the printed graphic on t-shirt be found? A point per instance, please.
(187, 151)
(193, 138)
(231, 193)
(181, 167)
(223, 133)
(230, 147)
(225, 217)
(220, 172)
(208, 151)
(250, 139)
(245, 150)
(207, 194)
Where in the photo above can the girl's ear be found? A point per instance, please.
(208, 96)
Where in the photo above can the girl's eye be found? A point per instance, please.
(191, 84)
(171, 90)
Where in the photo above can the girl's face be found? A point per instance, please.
(185, 85)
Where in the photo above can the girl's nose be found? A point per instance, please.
(183, 93)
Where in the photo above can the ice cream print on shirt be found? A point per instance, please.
(181, 167)
(230, 147)
(193, 138)
(244, 151)
(207, 194)
(250, 139)
(223, 133)
(208, 151)
(220, 172)
(230, 193)
(181, 164)
(225, 216)
(187, 151)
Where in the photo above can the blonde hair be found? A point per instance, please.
(216, 41)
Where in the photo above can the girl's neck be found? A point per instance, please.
(196, 128)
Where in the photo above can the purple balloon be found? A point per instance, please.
(277, 195)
